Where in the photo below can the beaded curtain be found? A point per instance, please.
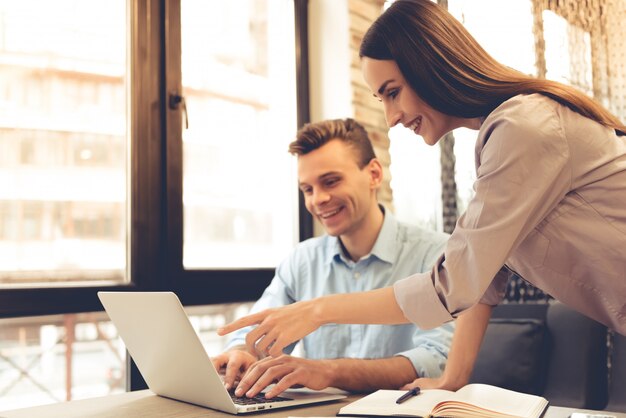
(597, 30)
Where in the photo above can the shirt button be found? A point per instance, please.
(357, 275)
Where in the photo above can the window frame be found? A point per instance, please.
(155, 224)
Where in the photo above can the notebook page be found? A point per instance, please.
(501, 400)
(383, 402)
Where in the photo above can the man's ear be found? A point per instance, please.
(375, 170)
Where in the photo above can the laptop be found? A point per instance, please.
(170, 356)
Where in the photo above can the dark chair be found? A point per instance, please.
(548, 350)
(617, 387)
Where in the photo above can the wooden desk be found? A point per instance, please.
(143, 404)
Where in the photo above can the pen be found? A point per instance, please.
(407, 395)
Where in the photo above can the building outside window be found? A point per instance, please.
(66, 170)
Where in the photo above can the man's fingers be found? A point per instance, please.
(233, 368)
(284, 372)
(252, 376)
(258, 386)
(248, 379)
(218, 362)
(270, 376)
(282, 385)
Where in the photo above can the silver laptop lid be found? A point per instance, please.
(153, 326)
(170, 356)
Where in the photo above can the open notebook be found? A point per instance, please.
(474, 400)
(172, 360)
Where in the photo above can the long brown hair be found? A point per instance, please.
(451, 72)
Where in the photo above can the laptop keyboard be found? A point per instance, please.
(260, 398)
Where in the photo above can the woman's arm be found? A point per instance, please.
(468, 336)
(279, 327)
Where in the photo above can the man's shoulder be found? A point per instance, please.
(314, 247)
(415, 234)
(305, 259)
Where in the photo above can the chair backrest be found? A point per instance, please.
(577, 374)
(545, 349)
(617, 386)
(515, 350)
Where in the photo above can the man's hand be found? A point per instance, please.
(286, 371)
(234, 363)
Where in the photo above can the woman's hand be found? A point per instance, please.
(433, 383)
(278, 327)
(468, 336)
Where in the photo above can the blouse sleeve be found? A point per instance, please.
(523, 172)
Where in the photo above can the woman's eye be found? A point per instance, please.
(393, 93)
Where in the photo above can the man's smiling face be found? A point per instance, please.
(336, 191)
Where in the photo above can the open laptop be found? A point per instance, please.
(170, 356)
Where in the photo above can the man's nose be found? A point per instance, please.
(320, 197)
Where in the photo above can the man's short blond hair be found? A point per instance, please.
(313, 135)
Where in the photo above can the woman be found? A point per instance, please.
(550, 201)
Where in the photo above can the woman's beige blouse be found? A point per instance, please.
(550, 204)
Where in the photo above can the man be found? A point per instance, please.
(365, 248)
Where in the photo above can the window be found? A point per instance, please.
(239, 194)
(63, 74)
(54, 358)
(101, 188)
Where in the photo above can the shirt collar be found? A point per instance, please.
(386, 243)
(385, 246)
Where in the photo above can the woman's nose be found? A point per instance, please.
(392, 116)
